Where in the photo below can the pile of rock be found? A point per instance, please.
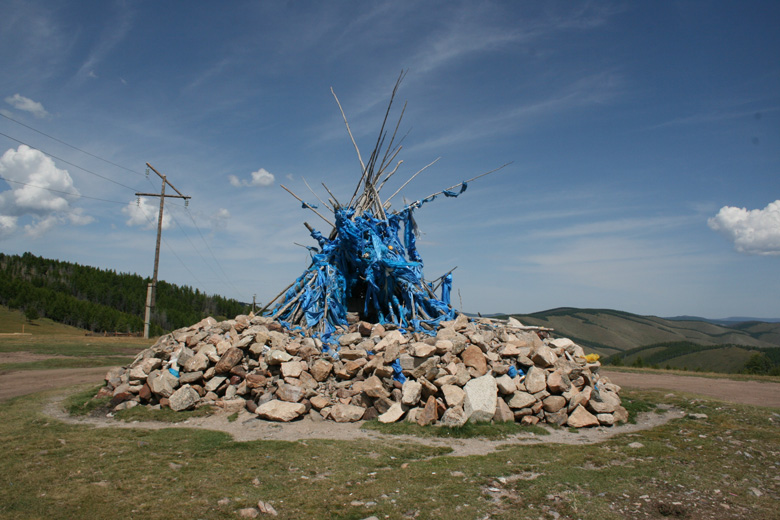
(469, 371)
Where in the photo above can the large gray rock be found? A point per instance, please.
(292, 369)
(506, 384)
(558, 382)
(411, 392)
(473, 357)
(183, 398)
(373, 387)
(346, 413)
(535, 380)
(349, 339)
(453, 417)
(280, 411)
(603, 402)
(214, 383)
(277, 357)
(197, 363)
(521, 400)
(503, 412)
(320, 369)
(393, 414)
(290, 393)
(480, 402)
(453, 395)
(162, 383)
(543, 356)
(229, 359)
(581, 418)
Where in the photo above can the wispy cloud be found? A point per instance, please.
(592, 90)
(25, 104)
(715, 116)
(112, 34)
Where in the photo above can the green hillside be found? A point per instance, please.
(609, 331)
(101, 300)
(629, 339)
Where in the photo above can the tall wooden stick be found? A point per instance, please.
(418, 202)
(410, 180)
(362, 166)
(318, 197)
(307, 205)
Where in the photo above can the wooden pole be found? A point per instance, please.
(151, 295)
(157, 247)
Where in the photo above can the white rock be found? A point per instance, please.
(410, 392)
(281, 411)
(393, 414)
(506, 384)
(453, 395)
(481, 395)
(183, 398)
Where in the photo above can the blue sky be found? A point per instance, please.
(644, 139)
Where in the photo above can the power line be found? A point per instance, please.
(181, 228)
(70, 145)
(227, 278)
(173, 252)
(77, 195)
(67, 162)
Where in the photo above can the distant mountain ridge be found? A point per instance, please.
(724, 321)
(609, 331)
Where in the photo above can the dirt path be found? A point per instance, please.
(248, 427)
(23, 382)
(744, 392)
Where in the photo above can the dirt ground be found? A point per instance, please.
(23, 382)
(757, 393)
(248, 427)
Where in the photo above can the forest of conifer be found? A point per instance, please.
(102, 300)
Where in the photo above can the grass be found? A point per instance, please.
(635, 406)
(143, 413)
(689, 468)
(68, 362)
(68, 346)
(84, 402)
(467, 431)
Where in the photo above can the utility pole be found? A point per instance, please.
(152, 287)
(254, 298)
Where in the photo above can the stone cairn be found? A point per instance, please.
(471, 370)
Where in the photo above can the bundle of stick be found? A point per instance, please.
(366, 263)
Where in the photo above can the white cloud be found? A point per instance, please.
(755, 231)
(220, 219)
(39, 190)
(7, 226)
(261, 177)
(141, 213)
(20, 102)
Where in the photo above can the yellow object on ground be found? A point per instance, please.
(592, 358)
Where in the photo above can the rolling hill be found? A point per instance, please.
(694, 344)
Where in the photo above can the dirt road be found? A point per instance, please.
(23, 382)
(745, 392)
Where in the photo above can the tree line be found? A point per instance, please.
(102, 299)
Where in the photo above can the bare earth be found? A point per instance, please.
(23, 382)
(758, 393)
